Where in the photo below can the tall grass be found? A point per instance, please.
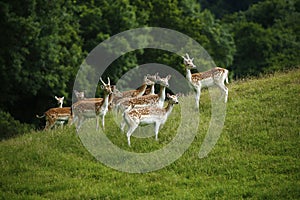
(256, 156)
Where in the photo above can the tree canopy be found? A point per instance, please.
(266, 37)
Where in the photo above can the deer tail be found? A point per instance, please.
(40, 116)
(226, 76)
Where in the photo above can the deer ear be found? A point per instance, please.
(56, 98)
(168, 77)
(168, 95)
(102, 86)
(63, 98)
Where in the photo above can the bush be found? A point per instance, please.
(10, 127)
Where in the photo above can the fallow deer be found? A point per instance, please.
(57, 116)
(97, 107)
(115, 94)
(151, 99)
(147, 100)
(60, 101)
(213, 77)
(134, 93)
(148, 115)
(151, 89)
(79, 95)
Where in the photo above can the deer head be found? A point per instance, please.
(152, 77)
(173, 99)
(60, 101)
(163, 81)
(79, 95)
(188, 62)
(106, 87)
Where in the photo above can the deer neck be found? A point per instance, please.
(188, 74)
(162, 93)
(106, 100)
(111, 98)
(141, 90)
(152, 89)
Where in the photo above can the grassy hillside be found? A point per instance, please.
(256, 157)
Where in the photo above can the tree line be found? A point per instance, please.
(43, 43)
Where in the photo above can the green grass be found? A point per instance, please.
(256, 156)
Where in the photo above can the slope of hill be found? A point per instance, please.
(256, 157)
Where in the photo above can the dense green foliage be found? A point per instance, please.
(44, 43)
(224, 7)
(9, 127)
(266, 37)
(256, 157)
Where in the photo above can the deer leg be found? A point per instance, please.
(70, 121)
(103, 121)
(50, 122)
(80, 121)
(125, 120)
(130, 131)
(224, 91)
(226, 94)
(61, 123)
(74, 120)
(47, 125)
(198, 94)
(51, 125)
(123, 125)
(156, 129)
(97, 122)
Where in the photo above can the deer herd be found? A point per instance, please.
(138, 107)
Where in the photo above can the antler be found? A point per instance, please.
(102, 81)
(187, 57)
